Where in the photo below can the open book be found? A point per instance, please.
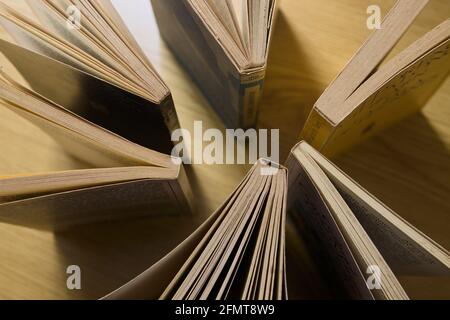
(238, 253)
(96, 94)
(366, 96)
(80, 55)
(360, 243)
(128, 180)
(224, 45)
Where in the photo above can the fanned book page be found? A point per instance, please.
(368, 96)
(238, 253)
(93, 67)
(244, 25)
(224, 44)
(353, 234)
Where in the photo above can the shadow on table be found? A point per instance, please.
(110, 254)
(408, 168)
(291, 86)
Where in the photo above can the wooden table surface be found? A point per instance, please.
(407, 166)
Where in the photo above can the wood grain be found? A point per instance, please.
(407, 166)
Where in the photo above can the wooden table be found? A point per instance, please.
(408, 166)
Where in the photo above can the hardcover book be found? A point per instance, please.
(223, 44)
(357, 243)
(368, 95)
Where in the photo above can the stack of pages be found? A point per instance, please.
(95, 70)
(224, 46)
(366, 97)
(238, 253)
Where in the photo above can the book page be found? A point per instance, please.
(35, 40)
(59, 211)
(363, 249)
(403, 254)
(29, 185)
(402, 94)
(55, 23)
(370, 54)
(96, 101)
(226, 16)
(214, 224)
(405, 248)
(240, 11)
(259, 13)
(305, 200)
(205, 273)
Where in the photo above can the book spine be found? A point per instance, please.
(250, 93)
(170, 114)
(182, 191)
(317, 130)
